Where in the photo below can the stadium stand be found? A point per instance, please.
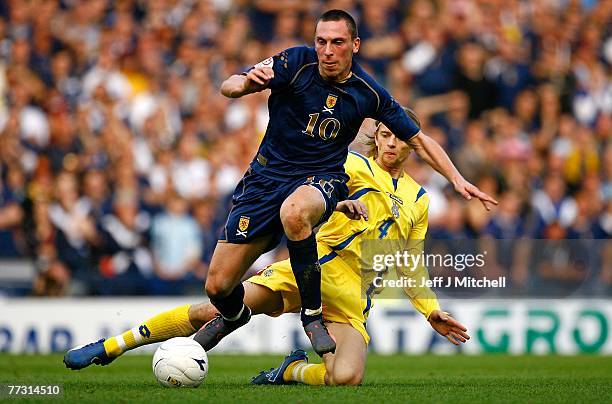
(113, 133)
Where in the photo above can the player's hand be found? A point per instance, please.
(469, 190)
(354, 210)
(259, 77)
(448, 327)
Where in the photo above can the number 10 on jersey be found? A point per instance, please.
(328, 128)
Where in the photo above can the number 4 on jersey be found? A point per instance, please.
(384, 228)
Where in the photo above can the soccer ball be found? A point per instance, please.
(180, 362)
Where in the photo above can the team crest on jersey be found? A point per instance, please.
(268, 272)
(243, 225)
(331, 100)
(330, 103)
(395, 210)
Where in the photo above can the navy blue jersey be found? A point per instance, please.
(312, 121)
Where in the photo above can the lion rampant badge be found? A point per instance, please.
(331, 100)
(243, 225)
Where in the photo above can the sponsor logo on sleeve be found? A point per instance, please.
(269, 62)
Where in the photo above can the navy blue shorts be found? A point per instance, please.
(257, 201)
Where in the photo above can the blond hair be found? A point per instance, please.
(370, 143)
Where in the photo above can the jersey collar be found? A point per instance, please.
(373, 162)
(346, 79)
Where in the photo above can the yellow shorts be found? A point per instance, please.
(340, 290)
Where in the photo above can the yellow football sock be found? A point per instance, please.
(302, 372)
(173, 323)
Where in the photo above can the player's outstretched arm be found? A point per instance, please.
(434, 155)
(255, 80)
(448, 327)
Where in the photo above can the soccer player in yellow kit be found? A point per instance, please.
(384, 204)
(396, 211)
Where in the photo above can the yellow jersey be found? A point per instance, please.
(397, 222)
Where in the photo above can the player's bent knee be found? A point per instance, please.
(295, 223)
(346, 377)
(217, 288)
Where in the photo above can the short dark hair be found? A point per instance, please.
(341, 15)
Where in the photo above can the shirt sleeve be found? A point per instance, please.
(419, 229)
(422, 297)
(391, 113)
(285, 64)
(356, 167)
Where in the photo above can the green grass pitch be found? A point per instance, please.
(456, 379)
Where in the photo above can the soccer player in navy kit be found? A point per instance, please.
(319, 99)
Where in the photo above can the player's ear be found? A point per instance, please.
(356, 44)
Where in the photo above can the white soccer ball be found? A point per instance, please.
(180, 362)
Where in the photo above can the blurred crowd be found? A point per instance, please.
(118, 155)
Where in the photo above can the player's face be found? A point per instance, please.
(335, 49)
(392, 152)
